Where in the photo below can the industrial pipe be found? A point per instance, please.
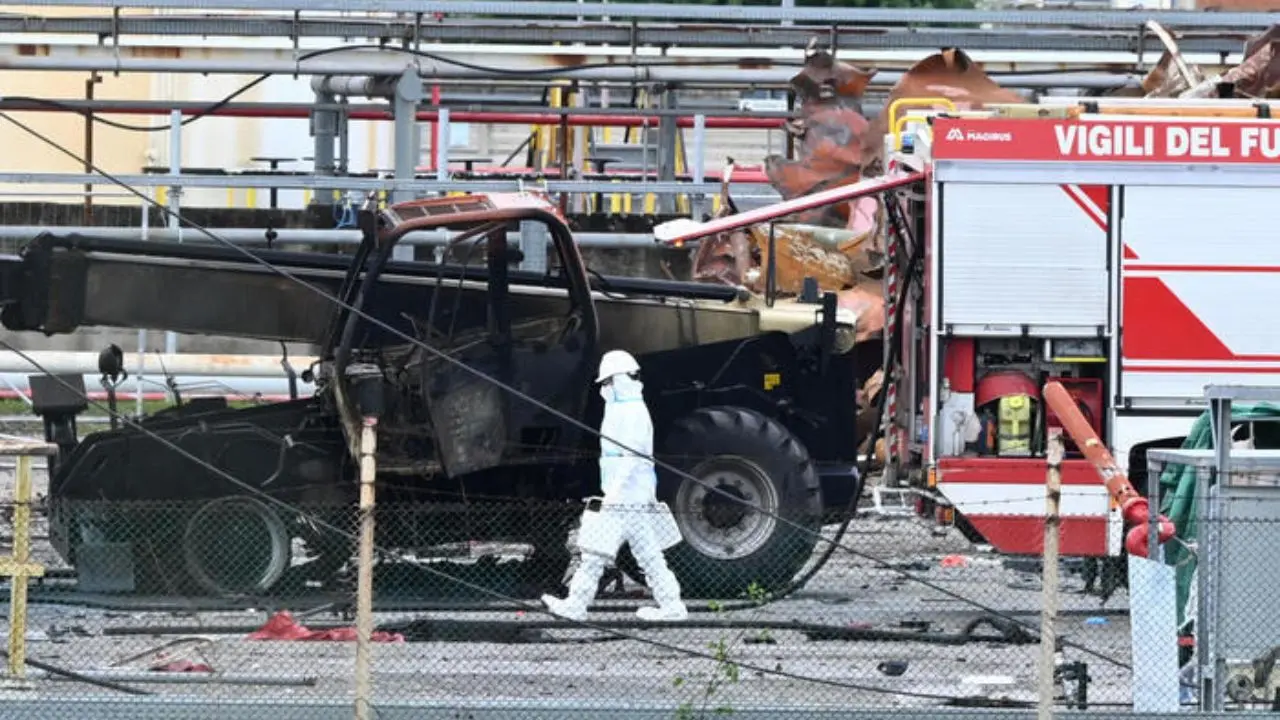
(188, 364)
(586, 119)
(373, 110)
(304, 236)
(16, 385)
(349, 67)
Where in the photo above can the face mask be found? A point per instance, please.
(608, 393)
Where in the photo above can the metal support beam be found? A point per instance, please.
(667, 149)
(720, 13)
(698, 202)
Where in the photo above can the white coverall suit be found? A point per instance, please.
(630, 512)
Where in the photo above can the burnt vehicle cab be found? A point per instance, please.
(450, 404)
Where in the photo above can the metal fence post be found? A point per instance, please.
(175, 198)
(1049, 615)
(19, 567)
(364, 571)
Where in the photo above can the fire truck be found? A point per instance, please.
(1117, 247)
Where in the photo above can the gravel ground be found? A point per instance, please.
(754, 668)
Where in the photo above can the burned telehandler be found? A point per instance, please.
(479, 364)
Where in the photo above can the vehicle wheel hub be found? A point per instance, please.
(727, 524)
(235, 546)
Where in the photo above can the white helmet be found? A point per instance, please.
(617, 362)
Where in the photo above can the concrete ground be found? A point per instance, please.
(737, 668)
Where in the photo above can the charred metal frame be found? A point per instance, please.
(485, 215)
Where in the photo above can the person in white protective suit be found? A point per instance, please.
(629, 511)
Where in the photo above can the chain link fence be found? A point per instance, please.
(234, 599)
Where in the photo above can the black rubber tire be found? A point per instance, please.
(725, 433)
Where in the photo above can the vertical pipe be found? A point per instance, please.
(344, 140)
(699, 163)
(1049, 600)
(324, 128)
(175, 201)
(408, 142)
(364, 570)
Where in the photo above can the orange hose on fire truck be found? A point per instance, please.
(1133, 507)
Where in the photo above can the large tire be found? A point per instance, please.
(729, 548)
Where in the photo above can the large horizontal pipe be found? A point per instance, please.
(304, 236)
(366, 184)
(14, 385)
(719, 13)
(183, 364)
(584, 119)
(378, 111)
(383, 86)
(350, 66)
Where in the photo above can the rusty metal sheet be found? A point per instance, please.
(1259, 75)
(828, 128)
(949, 74)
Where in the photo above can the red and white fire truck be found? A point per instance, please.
(1121, 248)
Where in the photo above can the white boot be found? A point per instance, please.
(582, 590)
(666, 591)
(673, 611)
(566, 609)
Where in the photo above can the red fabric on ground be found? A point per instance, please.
(282, 626)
